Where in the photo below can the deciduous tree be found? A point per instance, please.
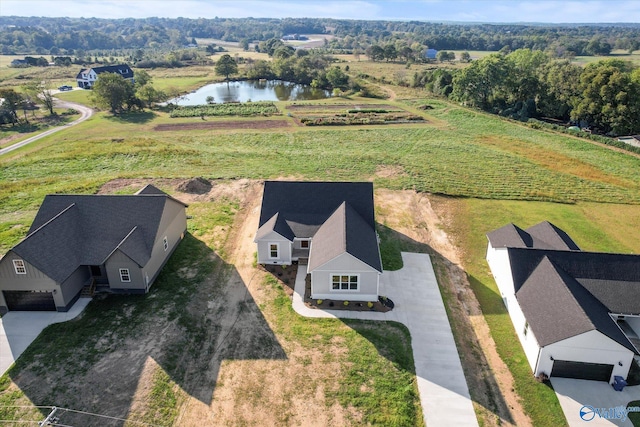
(112, 91)
(225, 66)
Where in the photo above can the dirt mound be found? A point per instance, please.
(197, 185)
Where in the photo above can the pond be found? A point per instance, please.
(252, 90)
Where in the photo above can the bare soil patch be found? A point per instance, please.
(227, 124)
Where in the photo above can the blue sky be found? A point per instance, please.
(551, 11)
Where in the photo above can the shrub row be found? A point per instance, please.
(537, 124)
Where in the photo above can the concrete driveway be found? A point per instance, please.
(18, 329)
(574, 395)
(444, 393)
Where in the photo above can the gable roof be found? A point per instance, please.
(122, 69)
(541, 236)
(338, 215)
(567, 308)
(345, 231)
(73, 230)
(305, 206)
(564, 291)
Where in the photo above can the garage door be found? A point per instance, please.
(581, 371)
(29, 301)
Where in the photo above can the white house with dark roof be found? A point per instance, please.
(576, 313)
(330, 226)
(115, 243)
(87, 77)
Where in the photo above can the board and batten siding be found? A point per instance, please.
(345, 264)
(589, 347)
(119, 260)
(33, 280)
(284, 250)
(173, 226)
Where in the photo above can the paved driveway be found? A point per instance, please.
(444, 394)
(575, 394)
(18, 329)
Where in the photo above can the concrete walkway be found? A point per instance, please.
(578, 397)
(18, 329)
(444, 394)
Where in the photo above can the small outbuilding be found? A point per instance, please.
(112, 243)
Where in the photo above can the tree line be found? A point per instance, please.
(63, 36)
(603, 96)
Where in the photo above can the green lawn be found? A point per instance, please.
(499, 172)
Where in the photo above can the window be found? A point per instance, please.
(304, 244)
(19, 266)
(344, 283)
(526, 328)
(165, 242)
(124, 275)
(273, 250)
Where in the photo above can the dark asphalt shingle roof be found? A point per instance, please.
(541, 236)
(122, 69)
(302, 209)
(553, 236)
(73, 230)
(345, 231)
(564, 291)
(557, 307)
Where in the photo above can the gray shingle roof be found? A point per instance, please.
(305, 209)
(73, 230)
(541, 236)
(557, 307)
(345, 231)
(553, 236)
(564, 291)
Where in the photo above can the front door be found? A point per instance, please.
(98, 275)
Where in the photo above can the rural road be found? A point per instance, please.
(85, 113)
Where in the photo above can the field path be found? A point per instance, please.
(85, 113)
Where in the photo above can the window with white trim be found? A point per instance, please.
(344, 282)
(165, 242)
(19, 267)
(124, 275)
(274, 250)
(526, 328)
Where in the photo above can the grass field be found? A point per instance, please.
(496, 171)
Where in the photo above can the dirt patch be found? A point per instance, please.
(229, 124)
(490, 382)
(195, 186)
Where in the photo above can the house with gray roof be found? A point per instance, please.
(87, 77)
(112, 243)
(328, 225)
(576, 313)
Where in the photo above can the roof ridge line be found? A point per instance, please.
(120, 244)
(48, 222)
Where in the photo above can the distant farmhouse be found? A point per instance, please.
(328, 225)
(294, 37)
(87, 77)
(576, 313)
(110, 243)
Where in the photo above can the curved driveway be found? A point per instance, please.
(85, 113)
(444, 394)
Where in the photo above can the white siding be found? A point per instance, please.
(345, 264)
(634, 323)
(590, 347)
(284, 249)
(498, 260)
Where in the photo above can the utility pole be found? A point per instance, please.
(51, 418)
